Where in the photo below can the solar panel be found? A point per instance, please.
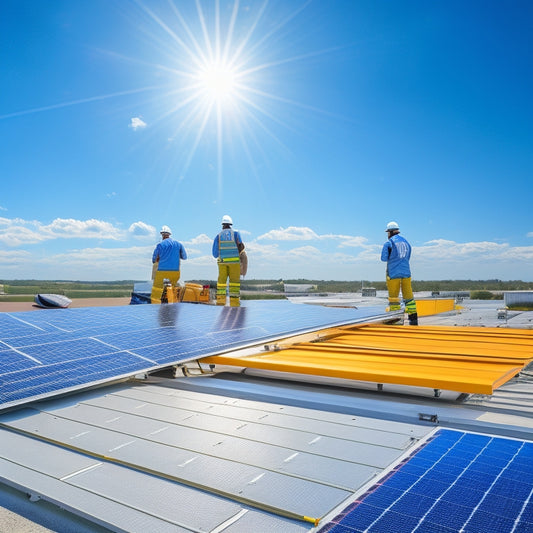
(457, 482)
(47, 352)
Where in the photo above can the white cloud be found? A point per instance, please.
(75, 229)
(285, 253)
(295, 233)
(141, 229)
(349, 242)
(13, 258)
(199, 239)
(18, 232)
(2, 208)
(520, 253)
(15, 232)
(449, 250)
(137, 123)
(292, 233)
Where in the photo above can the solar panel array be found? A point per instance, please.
(458, 482)
(46, 352)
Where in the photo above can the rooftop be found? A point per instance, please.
(196, 448)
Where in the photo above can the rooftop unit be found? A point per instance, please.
(516, 298)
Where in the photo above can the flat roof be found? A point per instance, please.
(234, 452)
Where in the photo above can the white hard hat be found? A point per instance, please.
(392, 226)
(226, 219)
(165, 229)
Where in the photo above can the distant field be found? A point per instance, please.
(25, 291)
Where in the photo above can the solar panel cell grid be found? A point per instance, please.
(475, 484)
(45, 352)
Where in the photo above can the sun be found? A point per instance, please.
(218, 81)
(221, 59)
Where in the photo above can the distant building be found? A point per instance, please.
(518, 298)
(300, 288)
(458, 295)
(368, 291)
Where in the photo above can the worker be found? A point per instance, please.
(227, 246)
(167, 255)
(397, 253)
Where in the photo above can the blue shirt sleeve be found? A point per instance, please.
(215, 247)
(156, 254)
(385, 252)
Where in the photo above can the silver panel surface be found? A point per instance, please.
(256, 522)
(162, 505)
(178, 393)
(284, 460)
(171, 502)
(289, 465)
(101, 511)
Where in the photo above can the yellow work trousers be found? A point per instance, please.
(157, 287)
(394, 286)
(233, 272)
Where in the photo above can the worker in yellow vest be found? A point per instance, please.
(227, 246)
(167, 255)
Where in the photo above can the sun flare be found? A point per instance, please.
(223, 82)
(218, 81)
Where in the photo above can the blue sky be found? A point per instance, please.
(311, 123)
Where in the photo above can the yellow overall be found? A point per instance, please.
(157, 287)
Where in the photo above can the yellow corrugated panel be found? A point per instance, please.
(458, 359)
(434, 306)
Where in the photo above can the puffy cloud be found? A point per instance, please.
(447, 250)
(294, 252)
(10, 258)
(520, 253)
(76, 229)
(141, 229)
(349, 242)
(295, 233)
(137, 123)
(17, 232)
(199, 239)
(292, 233)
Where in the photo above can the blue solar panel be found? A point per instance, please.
(458, 482)
(50, 351)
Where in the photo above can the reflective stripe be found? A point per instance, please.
(410, 306)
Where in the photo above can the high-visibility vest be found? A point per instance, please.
(227, 247)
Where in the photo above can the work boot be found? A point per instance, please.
(413, 319)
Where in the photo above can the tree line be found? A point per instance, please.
(265, 285)
(418, 286)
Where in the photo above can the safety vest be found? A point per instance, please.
(227, 247)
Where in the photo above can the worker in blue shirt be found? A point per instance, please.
(227, 246)
(167, 255)
(396, 253)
